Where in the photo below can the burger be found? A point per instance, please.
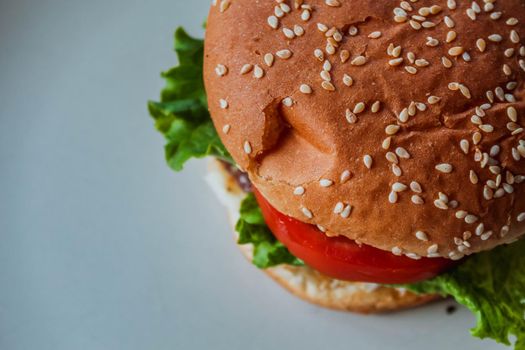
(370, 153)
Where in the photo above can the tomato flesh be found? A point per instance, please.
(344, 259)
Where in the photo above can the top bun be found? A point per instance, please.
(395, 124)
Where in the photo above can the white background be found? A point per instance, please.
(102, 246)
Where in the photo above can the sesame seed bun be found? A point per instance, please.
(307, 283)
(399, 125)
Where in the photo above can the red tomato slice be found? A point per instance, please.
(344, 259)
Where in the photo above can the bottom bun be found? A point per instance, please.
(306, 282)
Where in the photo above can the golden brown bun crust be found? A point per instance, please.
(309, 284)
(283, 147)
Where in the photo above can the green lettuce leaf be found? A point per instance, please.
(182, 113)
(268, 251)
(492, 286)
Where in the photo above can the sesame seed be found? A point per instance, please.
(226, 128)
(504, 231)
(487, 128)
(327, 66)
(396, 51)
(432, 42)
(392, 197)
(461, 214)
(521, 217)
(486, 235)
(278, 12)
(399, 187)
(464, 145)
(512, 114)
(433, 100)
(375, 107)
(344, 56)
(453, 86)
(471, 14)
(247, 68)
(465, 91)
(319, 54)
(284, 54)
(352, 31)
(368, 161)
(333, 3)
(488, 193)
(345, 176)
(473, 177)
(446, 62)
(392, 158)
(247, 147)
(444, 168)
(395, 62)
(422, 62)
(411, 70)
(326, 182)
(225, 4)
(269, 59)
(307, 212)
(284, 7)
(413, 256)
(258, 72)
(288, 102)
(338, 208)
(470, 219)
(273, 22)
(403, 116)
(415, 25)
(449, 22)
(422, 236)
(288, 33)
(402, 153)
(397, 251)
(350, 117)
(223, 103)
(322, 27)
(386, 143)
(396, 170)
(305, 89)
(392, 129)
(346, 211)
(416, 199)
(481, 45)
(480, 229)
(433, 249)
(455, 51)
(415, 187)
(221, 70)
(358, 61)
(374, 35)
(496, 38)
(359, 108)
(328, 86)
(305, 15)
(511, 21)
(298, 30)
(347, 80)
(299, 191)
(438, 203)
